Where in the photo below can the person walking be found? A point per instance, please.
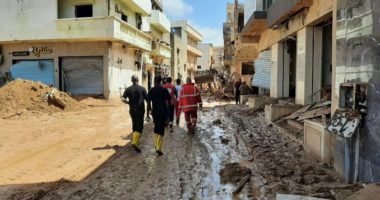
(171, 104)
(189, 101)
(159, 97)
(136, 96)
(178, 88)
(237, 91)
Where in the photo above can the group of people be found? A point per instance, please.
(164, 101)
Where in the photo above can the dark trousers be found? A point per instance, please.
(171, 113)
(159, 121)
(137, 121)
(237, 97)
(191, 119)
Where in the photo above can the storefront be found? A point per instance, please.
(79, 68)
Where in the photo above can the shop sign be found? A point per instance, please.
(20, 53)
(38, 51)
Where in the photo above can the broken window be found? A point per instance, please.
(83, 11)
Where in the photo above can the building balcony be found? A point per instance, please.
(100, 29)
(281, 10)
(160, 21)
(252, 30)
(194, 34)
(144, 7)
(194, 51)
(161, 50)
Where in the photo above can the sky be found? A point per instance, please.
(206, 16)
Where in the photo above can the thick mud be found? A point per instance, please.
(189, 169)
(229, 149)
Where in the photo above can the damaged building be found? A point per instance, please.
(316, 64)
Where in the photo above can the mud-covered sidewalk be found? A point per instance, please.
(228, 147)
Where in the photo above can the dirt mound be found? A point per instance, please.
(233, 173)
(21, 96)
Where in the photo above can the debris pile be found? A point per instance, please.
(21, 96)
(293, 124)
(281, 165)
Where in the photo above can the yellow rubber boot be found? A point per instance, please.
(136, 141)
(159, 141)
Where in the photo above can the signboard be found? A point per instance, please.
(21, 53)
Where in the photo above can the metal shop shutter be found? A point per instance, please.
(34, 70)
(83, 75)
(262, 75)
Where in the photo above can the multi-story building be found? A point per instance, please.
(218, 59)
(185, 50)
(308, 46)
(205, 62)
(158, 60)
(238, 55)
(87, 47)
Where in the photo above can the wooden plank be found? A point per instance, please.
(241, 185)
(315, 113)
(296, 114)
(295, 124)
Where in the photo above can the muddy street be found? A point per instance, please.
(188, 170)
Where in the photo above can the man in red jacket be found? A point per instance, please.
(189, 100)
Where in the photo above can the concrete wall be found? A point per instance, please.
(207, 56)
(66, 8)
(179, 59)
(27, 19)
(121, 67)
(36, 20)
(357, 61)
(304, 71)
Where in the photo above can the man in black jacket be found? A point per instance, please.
(159, 97)
(136, 96)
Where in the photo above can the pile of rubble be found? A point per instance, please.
(293, 124)
(281, 166)
(21, 96)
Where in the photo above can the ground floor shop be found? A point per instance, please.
(79, 68)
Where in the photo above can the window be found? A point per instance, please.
(83, 11)
(248, 68)
(138, 21)
(124, 17)
(199, 67)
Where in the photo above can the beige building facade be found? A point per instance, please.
(88, 47)
(185, 52)
(205, 62)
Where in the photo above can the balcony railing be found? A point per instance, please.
(102, 28)
(281, 10)
(161, 50)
